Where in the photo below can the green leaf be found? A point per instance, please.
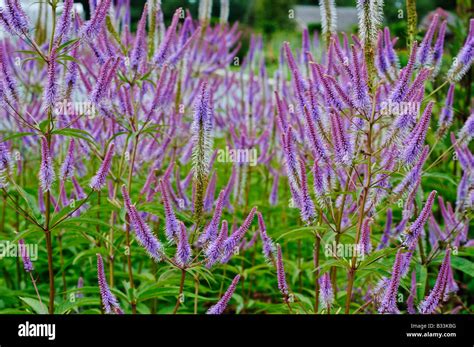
(35, 305)
(17, 135)
(463, 265)
(81, 134)
(67, 43)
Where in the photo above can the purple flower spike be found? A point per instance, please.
(172, 228)
(164, 49)
(267, 244)
(307, 206)
(222, 303)
(360, 92)
(365, 245)
(210, 232)
(282, 285)
(142, 231)
(415, 229)
(439, 49)
(106, 73)
(183, 250)
(16, 17)
(326, 294)
(98, 181)
(465, 57)
(425, 56)
(64, 24)
(401, 86)
(446, 117)
(27, 264)
(214, 250)
(91, 29)
(466, 134)
(411, 298)
(230, 246)
(389, 301)
(109, 301)
(343, 148)
(51, 91)
(67, 168)
(139, 47)
(387, 230)
(416, 140)
(46, 173)
(273, 199)
(432, 301)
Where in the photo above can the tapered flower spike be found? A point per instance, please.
(446, 116)
(408, 183)
(326, 294)
(466, 134)
(230, 246)
(387, 230)
(439, 49)
(317, 145)
(214, 250)
(142, 231)
(328, 18)
(9, 81)
(463, 61)
(360, 94)
(52, 89)
(273, 199)
(416, 228)
(16, 17)
(109, 301)
(307, 210)
(6, 162)
(370, 14)
(343, 148)
(389, 301)
(292, 167)
(183, 249)
(401, 86)
(46, 173)
(365, 244)
(65, 21)
(27, 264)
(163, 51)
(298, 81)
(436, 295)
(172, 228)
(67, 168)
(106, 73)
(140, 47)
(98, 181)
(411, 298)
(425, 54)
(416, 140)
(202, 128)
(268, 246)
(91, 29)
(210, 232)
(282, 285)
(222, 303)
